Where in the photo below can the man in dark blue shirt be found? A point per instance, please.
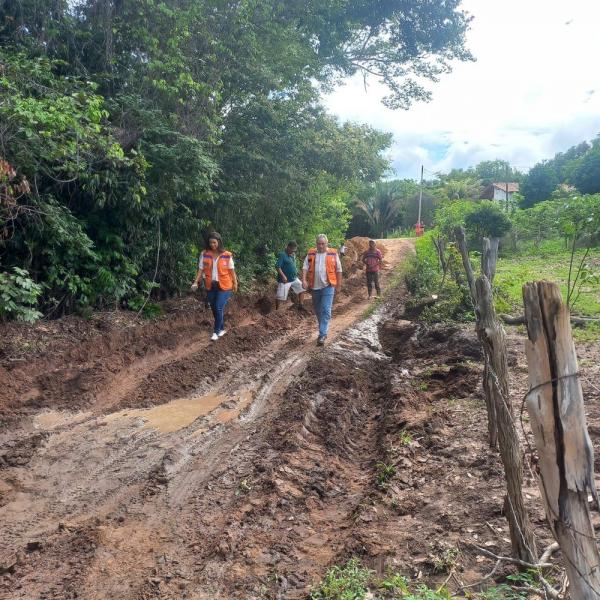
(287, 275)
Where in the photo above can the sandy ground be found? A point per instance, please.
(139, 461)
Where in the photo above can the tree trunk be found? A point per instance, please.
(492, 337)
(566, 458)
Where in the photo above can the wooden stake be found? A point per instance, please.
(461, 240)
(493, 339)
(489, 257)
(557, 416)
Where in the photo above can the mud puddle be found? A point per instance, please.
(178, 414)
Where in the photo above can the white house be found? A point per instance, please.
(497, 191)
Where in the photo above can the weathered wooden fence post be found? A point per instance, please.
(501, 425)
(461, 239)
(557, 416)
(489, 257)
(493, 339)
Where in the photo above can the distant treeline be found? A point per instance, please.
(391, 207)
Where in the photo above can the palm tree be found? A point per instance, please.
(462, 189)
(382, 208)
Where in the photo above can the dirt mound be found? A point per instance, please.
(356, 246)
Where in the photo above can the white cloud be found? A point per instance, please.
(533, 91)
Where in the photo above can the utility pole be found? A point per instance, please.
(506, 186)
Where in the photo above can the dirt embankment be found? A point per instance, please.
(164, 467)
(118, 359)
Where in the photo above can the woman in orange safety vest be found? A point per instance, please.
(218, 271)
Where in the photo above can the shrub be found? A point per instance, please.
(487, 220)
(18, 296)
(423, 275)
(349, 582)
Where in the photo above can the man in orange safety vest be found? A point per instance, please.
(322, 275)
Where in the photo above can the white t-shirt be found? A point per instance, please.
(215, 272)
(321, 280)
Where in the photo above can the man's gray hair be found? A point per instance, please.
(322, 236)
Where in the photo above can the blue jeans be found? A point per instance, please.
(217, 298)
(322, 301)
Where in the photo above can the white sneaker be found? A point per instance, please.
(214, 337)
(222, 333)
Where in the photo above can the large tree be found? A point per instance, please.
(586, 175)
(196, 113)
(539, 184)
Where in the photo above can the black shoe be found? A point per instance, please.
(321, 340)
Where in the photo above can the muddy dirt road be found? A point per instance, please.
(130, 462)
(138, 461)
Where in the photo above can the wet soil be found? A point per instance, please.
(138, 461)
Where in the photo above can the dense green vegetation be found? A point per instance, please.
(129, 129)
(384, 209)
(558, 240)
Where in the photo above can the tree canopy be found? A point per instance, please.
(579, 166)
(140, 125)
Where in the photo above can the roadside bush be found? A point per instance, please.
(425, 277)
(453, 214)
(453, 305)
(486, 220)
(424, 274)
(18, 296)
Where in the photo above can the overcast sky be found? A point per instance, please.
(533, 91)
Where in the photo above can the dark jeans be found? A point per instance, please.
(373, 280)
(217, 298)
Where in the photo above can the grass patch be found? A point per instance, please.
(385, 473)
(355, 582)
(552, 264)
(349, 582)
(549, 261)
(405, 438)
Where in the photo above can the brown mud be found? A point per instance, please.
(139, 461)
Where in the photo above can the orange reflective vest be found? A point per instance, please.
(330, 266)
(223, 269)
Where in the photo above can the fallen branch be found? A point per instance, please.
(542, 564)
(547, 592)
(549, 551)
(514, 561)
(520, 320)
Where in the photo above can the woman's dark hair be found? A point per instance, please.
(214, 236)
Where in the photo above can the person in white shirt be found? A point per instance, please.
(322, 275)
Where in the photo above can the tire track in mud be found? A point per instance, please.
(288, 485)
(112, 506)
